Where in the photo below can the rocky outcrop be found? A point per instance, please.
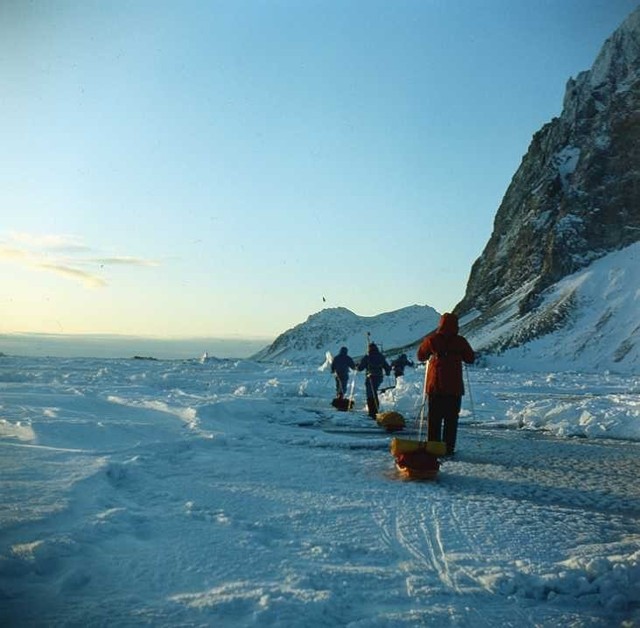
(575, 196)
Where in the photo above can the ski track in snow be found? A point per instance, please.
(234, 495)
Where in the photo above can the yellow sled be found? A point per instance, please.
(403, 445)
(390, 421)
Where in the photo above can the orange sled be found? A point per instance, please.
(417, 465)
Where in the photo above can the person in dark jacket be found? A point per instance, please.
(376, 366)
(340, 366)
(399, 364)
(445, 350)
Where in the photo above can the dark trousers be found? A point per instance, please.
(443, 414)
(341, 385)
(373, 403)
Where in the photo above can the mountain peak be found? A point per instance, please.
(616, 69)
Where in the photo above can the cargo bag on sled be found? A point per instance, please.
(417, 465)
(342, 403)
(390, 421)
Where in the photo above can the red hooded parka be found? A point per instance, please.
(447, 351)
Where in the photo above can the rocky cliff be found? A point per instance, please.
(574, 198)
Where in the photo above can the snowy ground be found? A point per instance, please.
(232, 494)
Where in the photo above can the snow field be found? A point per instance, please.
(233, 494)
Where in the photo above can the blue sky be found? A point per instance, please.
(219, 168)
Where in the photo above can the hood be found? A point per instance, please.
(448, 324)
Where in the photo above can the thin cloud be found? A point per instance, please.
(87, 279)
(12, 254)
(48, 241)
(59, 254)
(125, 261)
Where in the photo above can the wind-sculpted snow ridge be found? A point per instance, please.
(193, 493)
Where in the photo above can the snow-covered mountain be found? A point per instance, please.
(332, 328)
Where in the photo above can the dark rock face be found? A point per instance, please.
(576, 195)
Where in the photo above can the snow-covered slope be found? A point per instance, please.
(588, 321)
(333, 328)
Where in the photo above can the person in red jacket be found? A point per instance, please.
(445, 350)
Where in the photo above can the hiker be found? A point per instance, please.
(340, 366)
(399, 364)
(445, 350)
(376, 366)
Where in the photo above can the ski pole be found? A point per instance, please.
(424, 400)
(466, 372)
(353, 387)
